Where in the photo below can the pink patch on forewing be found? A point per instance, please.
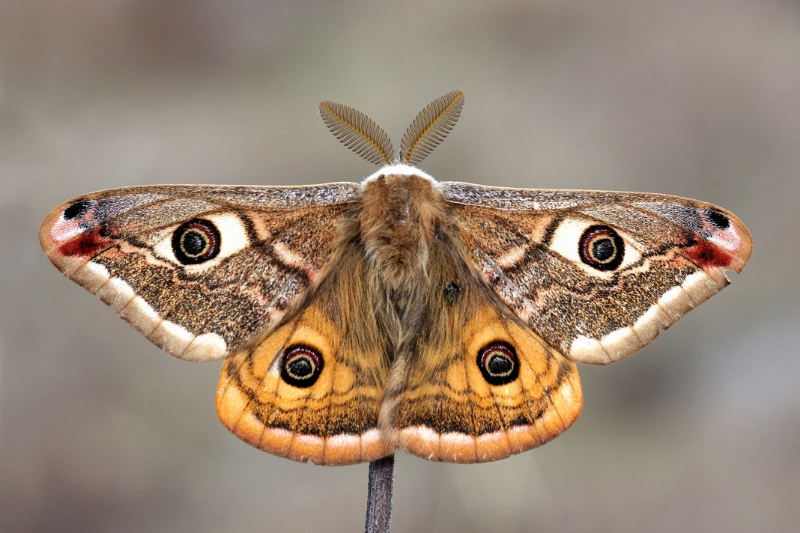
(64, 230)
(728, 239)
(708, 255)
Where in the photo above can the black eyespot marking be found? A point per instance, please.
(196, 241)
(718, 219)
(78, 208)
(498, 363)
(451, 291)
(601, 247)
(301, 366)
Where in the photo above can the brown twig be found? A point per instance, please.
(379, 495)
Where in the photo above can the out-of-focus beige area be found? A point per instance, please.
(100, 431)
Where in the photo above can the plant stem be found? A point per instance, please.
(379, 495)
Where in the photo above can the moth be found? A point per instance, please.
(441, 318)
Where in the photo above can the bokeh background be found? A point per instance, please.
(100, 431)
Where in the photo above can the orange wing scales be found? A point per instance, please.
(332, 420)
(460, 417)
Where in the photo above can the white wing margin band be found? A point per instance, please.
(170, 337)
(673, 304)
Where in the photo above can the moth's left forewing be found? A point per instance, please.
(253, 253)
(598, 274)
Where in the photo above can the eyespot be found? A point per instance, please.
(301, 366)
(601, 247)
(718, 219)
(76, 209)
(498, 363)
(597, 249)
(196, 241)
(451, 291)
(202, 242)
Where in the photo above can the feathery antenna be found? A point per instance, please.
(363, 136)
(431, 127)
(358, 132)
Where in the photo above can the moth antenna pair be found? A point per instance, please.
(363, 135)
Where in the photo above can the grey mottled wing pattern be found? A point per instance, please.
(271, 244)
(531, 249)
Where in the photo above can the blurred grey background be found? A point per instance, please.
(100, 431)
